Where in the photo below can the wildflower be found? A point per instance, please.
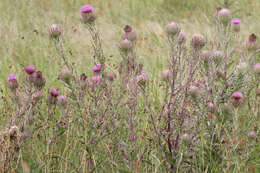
(111, 76)
(142, 78)
(211, 107)
(257, 68)
(251, 43)
(54, 31)
(95, 79)
(236, 98)
(12, 82)
(62, 101)
(257, 92)
(96, 69)
(235, 24)
(129, 34)
(197, 42)
(172, 29)
(29, 69)
(125, 45)
(38, 80)
(52, 99)
(224, 15)
(13, 132)
(87, 14)
(206, 55)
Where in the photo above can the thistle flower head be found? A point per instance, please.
(54, 31)
(83, 81)
(37, 95)
(236, 98)
(97, 68)
(194, 91)
(87, 14)
(257, 68)
(62, 101)
(125, 45)
(197, 42)
(38, 80)
(235, 24)
(29, 69)
(251, 43)
(12, 82)
(111, 76)
(142, 78)
(252, 134)
(54, 92)
(86, 9)
(206, 55)
(224, 16)
(218, 56)
(172, 29)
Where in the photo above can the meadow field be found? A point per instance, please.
(129, 86)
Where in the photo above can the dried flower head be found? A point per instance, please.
(87, 14)
(182, 38)
(172, 29)
(12, 82)
(218, 56)
(29, 69)
(197, 42)
(194, 91)
(37, 95)
(38, 80)
(142, 78)
(54, 31)
(251, 43)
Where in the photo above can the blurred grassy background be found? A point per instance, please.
(24, 41)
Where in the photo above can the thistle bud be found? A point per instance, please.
(142, 78)
(37, 95)
(224, 16)
(235, 24)
(87, 14)
(172, 29)
(218, 56)
(65, 75)
(62, 101)
(194, 91)
(197, 42)
(83, 81)
(54, 31)
(251, 43)
(257, 68)
(29, 69)
(12, 82)
(38, 80)
(236, 98)
(125, 45)
(182, 38)
(129, 34)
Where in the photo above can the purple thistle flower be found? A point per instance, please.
(236, 24)
(236, 21)
(96, 68)
(86, 9)
(237, 95)
(29, 69)
(62, 101)
(95, 79)
(54, 92)
(12, 82)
